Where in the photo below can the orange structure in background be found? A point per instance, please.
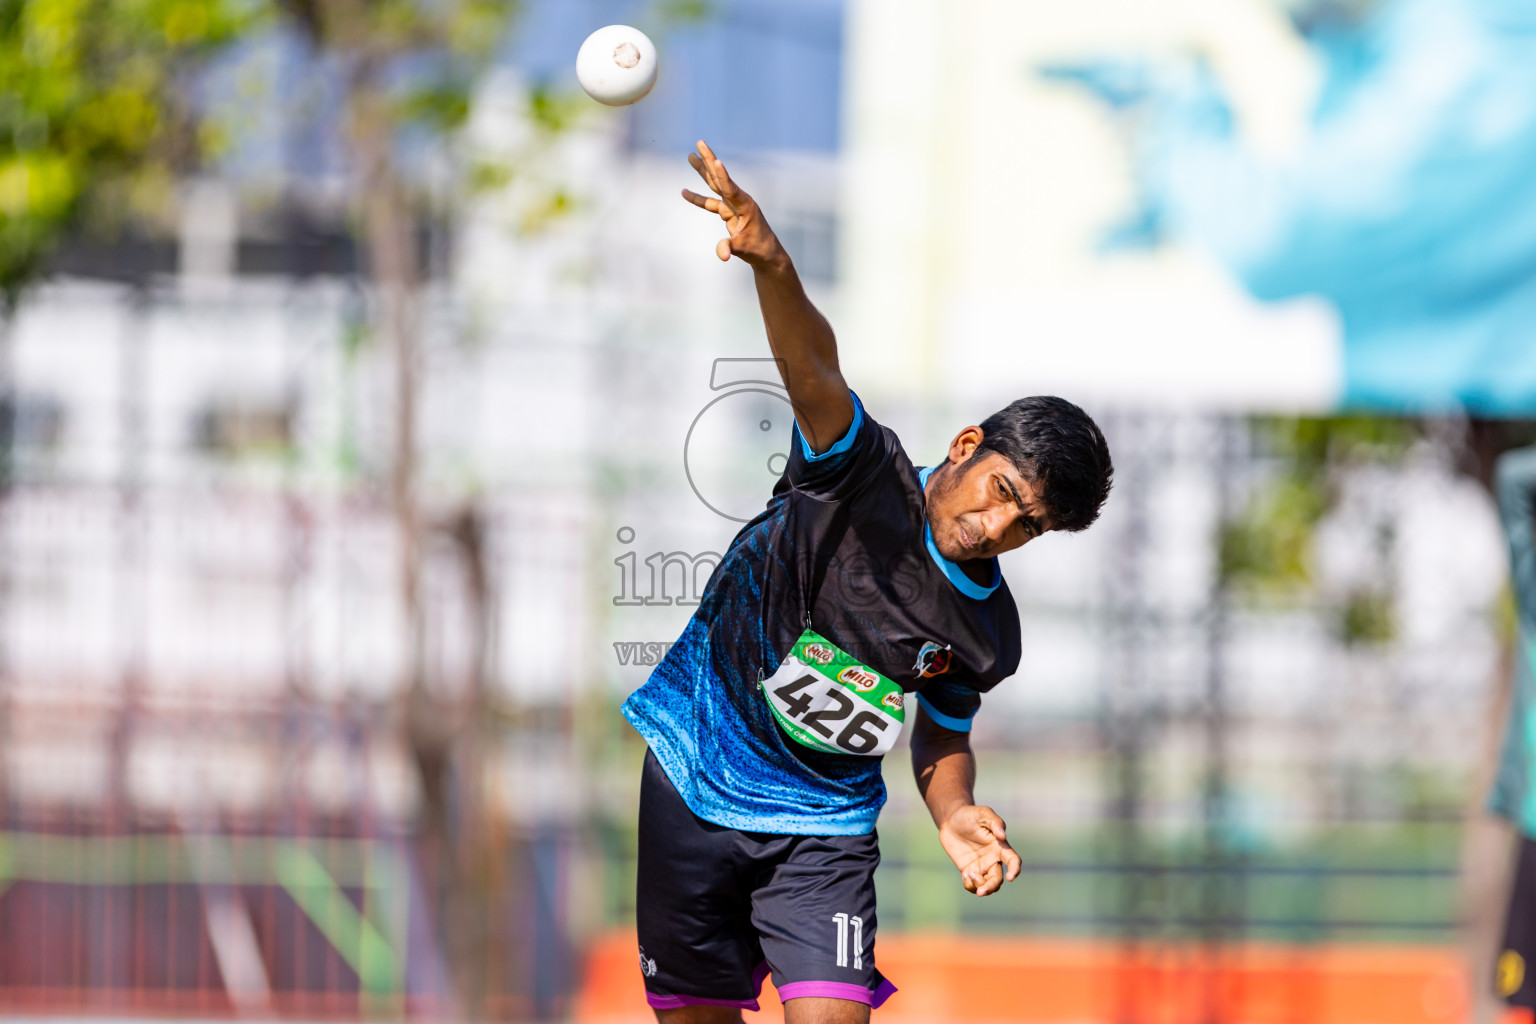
(1072, 981)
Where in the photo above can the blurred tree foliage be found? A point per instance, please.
(99, 119)
(1267, 550)
(95, 117)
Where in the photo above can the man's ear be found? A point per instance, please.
(964, 444)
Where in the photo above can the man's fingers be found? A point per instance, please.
(986, 859)
(722, 182)
(709, 203)
(723, 249)
(698, 164)
(991, 881)
(994, 864)
(1012, 862)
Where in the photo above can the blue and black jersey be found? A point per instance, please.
(843, 548)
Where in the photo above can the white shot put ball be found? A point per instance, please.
(616, 65)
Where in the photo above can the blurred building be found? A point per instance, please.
(201, 624)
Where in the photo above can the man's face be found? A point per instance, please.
(979, 506)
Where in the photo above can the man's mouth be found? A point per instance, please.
(966, 541)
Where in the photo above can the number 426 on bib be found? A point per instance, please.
(825, 700)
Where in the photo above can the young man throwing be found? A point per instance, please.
(864, 580)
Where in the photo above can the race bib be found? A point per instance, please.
(827, 701)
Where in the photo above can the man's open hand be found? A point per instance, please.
(977, 841)
(751, 238)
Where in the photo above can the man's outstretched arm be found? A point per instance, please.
(975, 838)
(800, 337)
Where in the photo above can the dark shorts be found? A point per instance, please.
(1513, 979)
(719, 909)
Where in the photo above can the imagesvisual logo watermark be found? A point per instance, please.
(738, 444)
(669, 578)
(736, 449)
(692, 573)
(678, 577)
(641, 652)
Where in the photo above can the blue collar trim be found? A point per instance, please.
(956, 575)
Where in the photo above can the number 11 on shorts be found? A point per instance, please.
(843, 921)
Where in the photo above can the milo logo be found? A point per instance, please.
(861, 679)
(818, 653)
(893, 701)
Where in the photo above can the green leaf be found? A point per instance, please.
(1269, 546)
(553, 111)
(91, 102)
(489, 175)
(440, 107)
(1367, 618)
(683, 11)
(555, 206)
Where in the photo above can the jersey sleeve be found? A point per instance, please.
(837, 472)
(950, 704)
(1516, 486)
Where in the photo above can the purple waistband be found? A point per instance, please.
(837, 990)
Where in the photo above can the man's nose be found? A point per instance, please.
(998, 522)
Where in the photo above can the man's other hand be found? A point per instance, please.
(976, 839)
(750, 236)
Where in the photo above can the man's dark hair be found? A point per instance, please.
(1060, 450)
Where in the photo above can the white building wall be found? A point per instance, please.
(976, 194)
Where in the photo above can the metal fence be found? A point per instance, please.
(215, 807)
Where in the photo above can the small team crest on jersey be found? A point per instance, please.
(894, 701)
(858, 677)
(818, 653)
(932, 660)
